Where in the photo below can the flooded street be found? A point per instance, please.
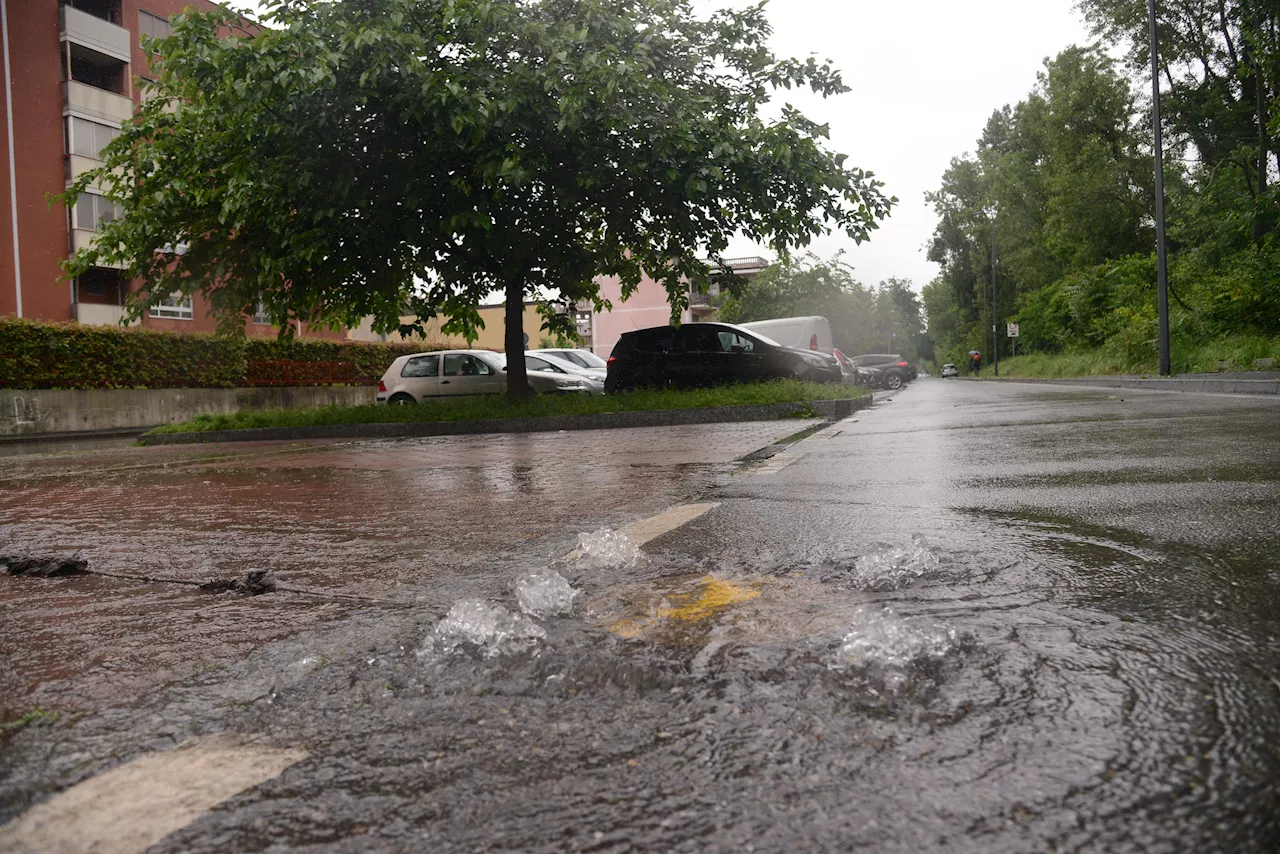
(978, 617)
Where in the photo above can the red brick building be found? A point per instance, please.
(70, 70)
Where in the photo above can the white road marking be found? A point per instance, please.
(776, 463)
(130, 808)
(668, 520)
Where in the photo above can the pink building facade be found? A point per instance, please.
(648, 306)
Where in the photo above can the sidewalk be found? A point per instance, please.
(1257, 382)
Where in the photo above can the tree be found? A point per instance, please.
(862, 320)
(361, 157)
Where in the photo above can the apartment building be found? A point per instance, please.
(70, 79)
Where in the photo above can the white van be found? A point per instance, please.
(803, 333)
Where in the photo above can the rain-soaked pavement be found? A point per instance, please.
(978, 617)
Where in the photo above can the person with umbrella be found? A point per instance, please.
(975, 359)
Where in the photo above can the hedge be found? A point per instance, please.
(35, 354)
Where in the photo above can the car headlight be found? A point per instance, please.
(814, 361)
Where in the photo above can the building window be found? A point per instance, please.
(177, 307)
(153, 25)
(86, 138)
(101, 286)
(260, 316)
(97, 70)
(92, 209)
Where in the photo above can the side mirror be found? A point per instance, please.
(738, 348)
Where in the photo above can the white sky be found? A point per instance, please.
(925, 75)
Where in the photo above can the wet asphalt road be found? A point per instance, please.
(979, 617)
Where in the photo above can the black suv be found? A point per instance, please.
(706, 354)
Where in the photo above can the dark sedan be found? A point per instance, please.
(707, 354)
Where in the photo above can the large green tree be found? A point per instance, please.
(356, 158)
(1058, 184)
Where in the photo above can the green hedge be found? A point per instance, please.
(67, 355)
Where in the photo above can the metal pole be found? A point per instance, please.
(1162, 269)
(995, 308)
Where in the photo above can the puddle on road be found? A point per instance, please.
(1047, 688)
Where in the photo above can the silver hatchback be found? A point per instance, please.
(454, 373)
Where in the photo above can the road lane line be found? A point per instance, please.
(130, 808)
(668, 520)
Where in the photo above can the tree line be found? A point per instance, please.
(1053, 212)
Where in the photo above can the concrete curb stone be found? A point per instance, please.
(1198, 385)
(831, 410)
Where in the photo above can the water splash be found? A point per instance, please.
(608, 548)
(489, 629)
(893, 567)
(880, 640)
(545, 594)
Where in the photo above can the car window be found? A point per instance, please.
(729, 340)
(533, 363)
(701, 339)
(657, 340)
(465, 365)
(570, 356)
(421, 366)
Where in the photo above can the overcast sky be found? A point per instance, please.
(925, 75)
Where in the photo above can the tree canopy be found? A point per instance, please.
(372, 157)
(863, 320)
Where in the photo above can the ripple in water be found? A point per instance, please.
(607, 548)
(487, 628)
(894, 567)
(544, 594)
(882, 641)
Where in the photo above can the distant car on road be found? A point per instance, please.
(949, 370)
(708, 354)
(893, 370)
(455, 373)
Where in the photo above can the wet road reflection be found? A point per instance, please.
(976, 618)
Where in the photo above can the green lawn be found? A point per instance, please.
(1186, 357)
(486, 408)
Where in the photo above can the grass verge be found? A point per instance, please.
(1238, 352)
(488, 408)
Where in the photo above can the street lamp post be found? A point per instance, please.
(995, 307)
(1162, 269)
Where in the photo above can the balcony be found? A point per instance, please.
(82, 238)
(92, 102)
(95, 314)
(94, 33)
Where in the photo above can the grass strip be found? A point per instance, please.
(1228, 353)
(492, 407)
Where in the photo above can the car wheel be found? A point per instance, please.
(893, 380)
(401, 399)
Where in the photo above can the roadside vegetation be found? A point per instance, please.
(493, 407)
(1230, 353)
(1055, 206)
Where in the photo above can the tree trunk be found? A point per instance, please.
(517, 376)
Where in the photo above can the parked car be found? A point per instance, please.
(454, 373)
(583, 358)
(802, 333)
(949, 370)
(892, 370)
(853, 375)
(544, 361)
(707, 354)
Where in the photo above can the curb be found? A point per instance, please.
(1195, 386)
(831, 410)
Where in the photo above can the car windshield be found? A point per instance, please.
(585, 358)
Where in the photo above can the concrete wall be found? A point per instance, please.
(47, 411)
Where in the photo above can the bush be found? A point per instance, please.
(67, 355)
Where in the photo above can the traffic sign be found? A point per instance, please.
(1013, 330)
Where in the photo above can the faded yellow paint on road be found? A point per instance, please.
(715, 595)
